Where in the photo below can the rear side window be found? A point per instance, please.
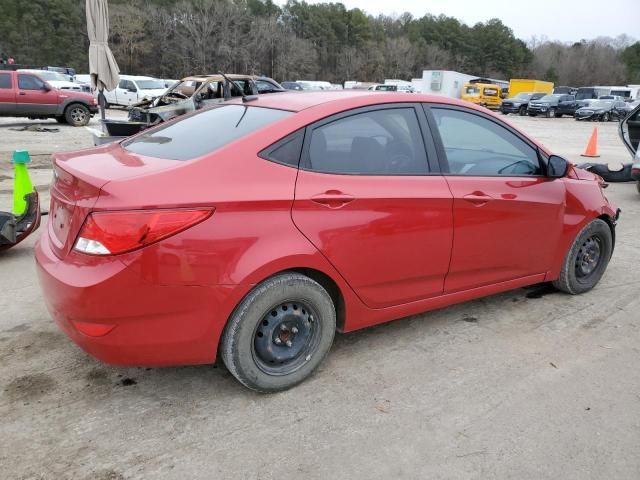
(204, 132)
(477, 146)
(286, 151)
(5, 80)
(380, 142)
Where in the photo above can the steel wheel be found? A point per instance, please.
(588, 258)
(285, 337)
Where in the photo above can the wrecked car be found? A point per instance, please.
(196, 92)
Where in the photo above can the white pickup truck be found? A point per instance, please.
(132, 90)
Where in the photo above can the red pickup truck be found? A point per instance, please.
(27, 95)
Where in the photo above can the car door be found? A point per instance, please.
(35, 97)
(7, 95)
(507, 214)
(630, 131)
(370, 198)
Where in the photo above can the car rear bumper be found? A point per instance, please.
(115, 315)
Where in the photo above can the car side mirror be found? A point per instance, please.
(557, 167)
(46, 87)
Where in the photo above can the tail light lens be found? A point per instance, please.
(112, 233)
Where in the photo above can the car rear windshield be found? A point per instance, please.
(204, 132)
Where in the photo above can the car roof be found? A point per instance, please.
(217, 77)
(297, 101)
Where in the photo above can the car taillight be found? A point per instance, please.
(112, 233)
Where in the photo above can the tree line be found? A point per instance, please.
(327, 41)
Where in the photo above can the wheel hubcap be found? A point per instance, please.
(588, 257)
(285, 338)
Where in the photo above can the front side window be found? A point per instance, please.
(477, 146)
(472, 90)
(202, 133)
(490, 92)
(379, 142)
(29, 82)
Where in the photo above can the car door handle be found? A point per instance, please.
(333, 199)
(478, 198)
(22, 93)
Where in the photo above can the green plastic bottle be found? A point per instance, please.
(21, 181)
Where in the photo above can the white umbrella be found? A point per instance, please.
(102, 65)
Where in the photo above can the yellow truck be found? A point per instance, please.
(523, 85)
(484, 94)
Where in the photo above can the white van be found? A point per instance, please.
(133, 89)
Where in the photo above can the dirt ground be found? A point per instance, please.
(529, 384)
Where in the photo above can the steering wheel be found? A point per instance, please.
(178, 94)
(398, 162)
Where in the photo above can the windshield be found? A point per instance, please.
(472, 90)
(523, 96)
(585, 93)
(490, 92)
(601, 104)
(549, 98)
(537, 96)
(202, 133)
(49, 76)
(150, 84)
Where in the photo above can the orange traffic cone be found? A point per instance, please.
(592, 146)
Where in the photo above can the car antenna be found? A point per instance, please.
(245, 98)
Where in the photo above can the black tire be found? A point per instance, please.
(638, 185)
(252, 343)
(505, 113)
(605, 117)
(585, 263)
(551, 113)
(61, 120)
(532, 114)
(522, 111)
(558, 115)
(77, 115)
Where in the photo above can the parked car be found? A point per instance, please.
(585, 94)
(28, 95)
(251, 231)
(630, 135)
(603, 110)
(519, 103)
(554, 105)
(484, 94)
(55, 79)
(132, 90)
(292, 86)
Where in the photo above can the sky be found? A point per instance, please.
(564, 20)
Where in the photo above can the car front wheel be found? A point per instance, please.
(77, 115)
(279, 333)
(587, 259)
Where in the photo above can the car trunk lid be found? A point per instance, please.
(78, 181)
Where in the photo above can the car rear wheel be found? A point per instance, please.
(587, 259)
(279, 334)
(77, 115)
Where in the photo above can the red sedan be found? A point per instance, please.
(254, 230)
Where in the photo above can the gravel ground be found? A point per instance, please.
(529, 384)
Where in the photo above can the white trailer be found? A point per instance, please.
(444, 82)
